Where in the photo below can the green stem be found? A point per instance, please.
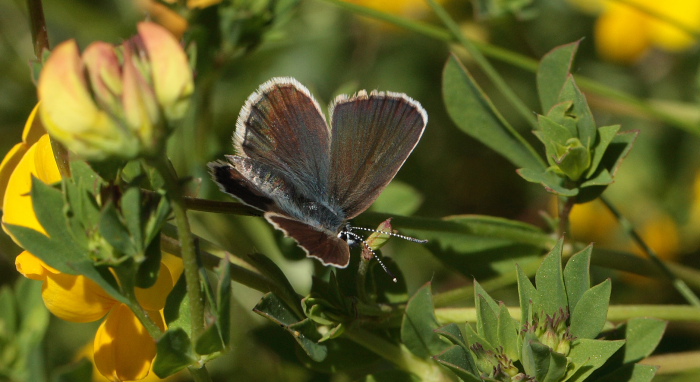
(565, 207)
(398, 355)
(679, 313)
(189, 255)
(679, 284)
(362, 270)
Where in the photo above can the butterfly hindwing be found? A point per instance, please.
(316, 242)
(372, 135)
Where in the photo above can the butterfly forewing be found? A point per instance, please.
(372, 135)
(282, 126)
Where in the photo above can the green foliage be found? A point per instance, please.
(556, 337)
(23, 324)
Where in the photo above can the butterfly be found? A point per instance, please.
(308, 177)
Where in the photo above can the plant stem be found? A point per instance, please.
(679, 284)
(565, 206)
(398, 355)
(189, 255)
(679, 313)
(199, 374)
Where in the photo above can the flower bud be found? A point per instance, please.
(116, 101)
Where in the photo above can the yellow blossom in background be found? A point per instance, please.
(407, 8)
(626, 30)
(123, 349)
(116, 101)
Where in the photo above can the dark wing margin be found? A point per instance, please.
(372, 135)
(282, 126)
(321, 244)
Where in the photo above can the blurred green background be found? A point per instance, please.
(332, 51)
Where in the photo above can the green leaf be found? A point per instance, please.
(528, 296)
(602, 178)
(577, 276)
(452, 333)
(473, 113)
(65, 256)
(273, 308)
(541, 362)
(8, 314)
(459, 362)
(480, 246)
(631, 373)
(550, 283)
(606, 134)
(508, 333)
(223, 299)
(486, 321)
(398, 198)
(552, 73)
(115, 232)
(174, 353)
(177, 307)
(586, 125)
(149, 268)
(419, 324)
(279, 285)
(588, 355)
(588, 318)
(307, 336)
(131, 210)
(643, 334)
(48, 206)
(550, 181)
(210, 341)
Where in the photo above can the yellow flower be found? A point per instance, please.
(115, 102)
(627, 30)
(123, 349)
(32, 157)
(408, 8)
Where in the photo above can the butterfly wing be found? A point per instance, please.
(282, 127)
(316, 242)
(372, 135)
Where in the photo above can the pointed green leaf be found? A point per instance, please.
(155, 221)
(588, 355)
(223, 299)
(210, 341)
(48, 206)
(419, 324)
(307, 336)
(552, 133)
(452, 333)
(588, 318)
(273, 308)
(550, 181)
(550, 283)
(459, 361)
(472, 111)
(131, 210)
(643, 334)
(552, 73)
(577, 276)
(150, 266)
(528, 296)
(606, 134)
(508, 333)
(602, 178)
(486, 321)
(174, 353)
(115, 232)
(586, 125)
(65, 256)
(177, 307)
(541, 362)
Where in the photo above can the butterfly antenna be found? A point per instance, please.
(364, 243)
(412, 239)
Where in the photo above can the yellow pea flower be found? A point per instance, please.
(123, 349)
(115, 101)
(626, 30)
